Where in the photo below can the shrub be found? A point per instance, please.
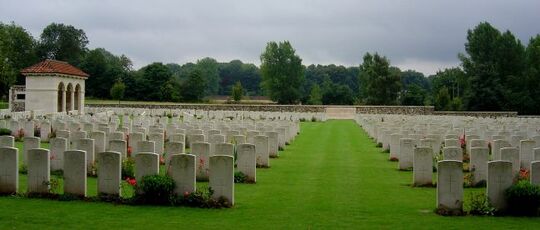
(523, 199)
(128, 168)
(477, 203)
(201, 198)
(155, 189)
(239, 177)
(5, 132)
(313, 119)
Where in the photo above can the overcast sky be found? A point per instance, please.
(425, 35)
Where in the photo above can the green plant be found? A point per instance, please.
(239, 177)
(477, 203)
(5, 132)
(155, 189)
(313, 119)
(523, 199)
(128, 168)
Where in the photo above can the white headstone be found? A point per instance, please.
(109, 173)
(182, 170)
(478, 164)
(9, 170)
(499, 179)
(39, 173)
(450, 185)
(75, 172)
(146, 164)
(222, 177)
(58, 146)
(423, 166)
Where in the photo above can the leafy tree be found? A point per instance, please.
(315, 97)
(282, 72)
(494, 63)
(192, 89)
(117, 91)
(442, 100)
(413, 95)
(237, 92)
(338, 95)
(16, 52)
(208, 67)
(531, 81)
(105, 69)
(63, 42)
(453, 79)
(380, 82)
(234, 71)
(153, 77)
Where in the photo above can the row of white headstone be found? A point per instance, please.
(181, 168)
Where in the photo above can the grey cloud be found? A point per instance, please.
(423, 34)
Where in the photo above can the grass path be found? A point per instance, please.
(331, 176)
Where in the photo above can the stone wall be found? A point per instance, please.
(406, 110)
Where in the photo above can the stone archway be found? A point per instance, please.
(61, 97)
(69, 97)
(77, 98)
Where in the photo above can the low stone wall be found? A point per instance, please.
(476, 113)
(227, 107)
(363, 109)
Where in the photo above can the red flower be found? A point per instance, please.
(131, 181)
(186, 193)
(161, 160)
(129, 151)
(523, 174)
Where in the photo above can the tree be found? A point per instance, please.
(315, 97)
(494, 63)
(63, 42)
(442, 100)
(531, 81)
(192, 89)
(208, 68)
(153, 77)
(282, 72)
(413, 95)
(117, 91)
(105, 69)
(237, 92)
(16, 52)
(380, 83)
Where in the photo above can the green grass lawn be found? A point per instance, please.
(332, 176)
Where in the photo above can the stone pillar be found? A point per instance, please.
(72, 96)
(81, 102)
(64, 106)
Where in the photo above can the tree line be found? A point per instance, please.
(497, 72)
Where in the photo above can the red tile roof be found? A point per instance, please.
(54, 66)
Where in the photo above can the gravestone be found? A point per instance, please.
(222, 177)
(182, 170)
(450, 186)
(45, 130)
(177, 138)
(9, 170)
(423, 166)
(247, 161)
(109, 173)
(29, 128)
(535, 172)
(496, 148)
(7, 141)
(536, 154)
(202, 151)
(213, 140)
(261, 149)
(452, 143)
(526, 153)
(39, 174)
(118, 146)
(273, 143)
(159, 141)
(394, 145)
(194, 138)
(58, 146)
(453, 153)
(145, 146)
(511, 154)
(63, 134)
(99, 141)
(29, 143)
(134, 138)
(478, 164)
(87, 145)
(406, 150)
(499, 179)
(239, 139)
(75, 172)
(146, 164)
(224, 149)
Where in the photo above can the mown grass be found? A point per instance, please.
(331, 177)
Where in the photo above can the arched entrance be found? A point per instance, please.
(69, 98)
(77, 97)
(60, 104)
